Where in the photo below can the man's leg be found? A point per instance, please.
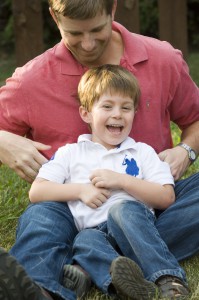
(15, 283)
(44, 243)
(178, 225)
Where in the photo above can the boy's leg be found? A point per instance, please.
(44, 244)
(93, 251)
(133, 226)
(178, 225)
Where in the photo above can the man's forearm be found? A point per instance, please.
(190, 136)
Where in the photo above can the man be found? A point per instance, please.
(39, 102)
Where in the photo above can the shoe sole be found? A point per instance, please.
(15, 284)
(74, 274)
(129, 281)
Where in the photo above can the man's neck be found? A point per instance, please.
(113, 52)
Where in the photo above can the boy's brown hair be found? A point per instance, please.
(107, 78)
(80, 9)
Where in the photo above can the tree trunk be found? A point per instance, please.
(28, 29)
(173, 23)
(128, 14)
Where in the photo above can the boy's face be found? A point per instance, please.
(86, 39)
(110, 118)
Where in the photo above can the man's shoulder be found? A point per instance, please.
(150, 46)
(38, 64)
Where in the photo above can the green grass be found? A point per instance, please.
(14, 192)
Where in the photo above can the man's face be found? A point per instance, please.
(86, 39)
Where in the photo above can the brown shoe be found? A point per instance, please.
(172, 287)
(129, 282)
(15, 284)
(77, 280)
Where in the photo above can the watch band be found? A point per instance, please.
(191, 153)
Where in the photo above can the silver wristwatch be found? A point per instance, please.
(191, 153)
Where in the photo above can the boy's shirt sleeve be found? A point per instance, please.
(57, 168)
(153, 169)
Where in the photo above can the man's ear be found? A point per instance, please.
(85, 115)
(53, 16)
(114, 9)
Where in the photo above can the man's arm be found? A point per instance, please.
(21, 154)
(177, 157)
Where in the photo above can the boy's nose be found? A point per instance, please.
(117, 113)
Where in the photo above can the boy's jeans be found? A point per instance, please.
(46, 232)
(131, 226)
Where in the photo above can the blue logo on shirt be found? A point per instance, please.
(52, 157)
(132, 168)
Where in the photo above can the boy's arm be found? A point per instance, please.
(45, 190)
(153, 194)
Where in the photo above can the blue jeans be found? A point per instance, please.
(43, 245)
(155, 244)
(46, 232)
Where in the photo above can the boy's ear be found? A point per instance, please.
(85, 115)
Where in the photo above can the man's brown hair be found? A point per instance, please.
(80, 9)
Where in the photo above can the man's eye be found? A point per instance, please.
(97, 30)
(75, 33)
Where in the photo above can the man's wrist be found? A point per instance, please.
(191, 152)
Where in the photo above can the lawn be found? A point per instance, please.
(14, 192)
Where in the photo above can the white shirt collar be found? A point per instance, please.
(126, 144)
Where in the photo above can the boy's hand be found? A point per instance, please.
(103, 178)
(92, 196)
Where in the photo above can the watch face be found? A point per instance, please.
(192, 155)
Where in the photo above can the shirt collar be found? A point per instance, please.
(134, 52)
(129, 143)
(134, 48)
(68, 64)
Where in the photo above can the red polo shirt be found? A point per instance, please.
(39, 100)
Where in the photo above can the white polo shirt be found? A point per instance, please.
(74, 163)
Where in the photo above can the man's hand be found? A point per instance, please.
(103, 178)
(92, 196)
(178, 160)
(21, 155)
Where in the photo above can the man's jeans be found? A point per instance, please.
(154, 244)
(43, 245)
(46, 232)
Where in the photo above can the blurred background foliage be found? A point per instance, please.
(148, 24)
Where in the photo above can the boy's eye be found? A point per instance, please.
(126, 108)
(107, 106)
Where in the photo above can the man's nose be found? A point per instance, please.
(88, 43)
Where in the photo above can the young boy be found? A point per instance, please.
(110, 182)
